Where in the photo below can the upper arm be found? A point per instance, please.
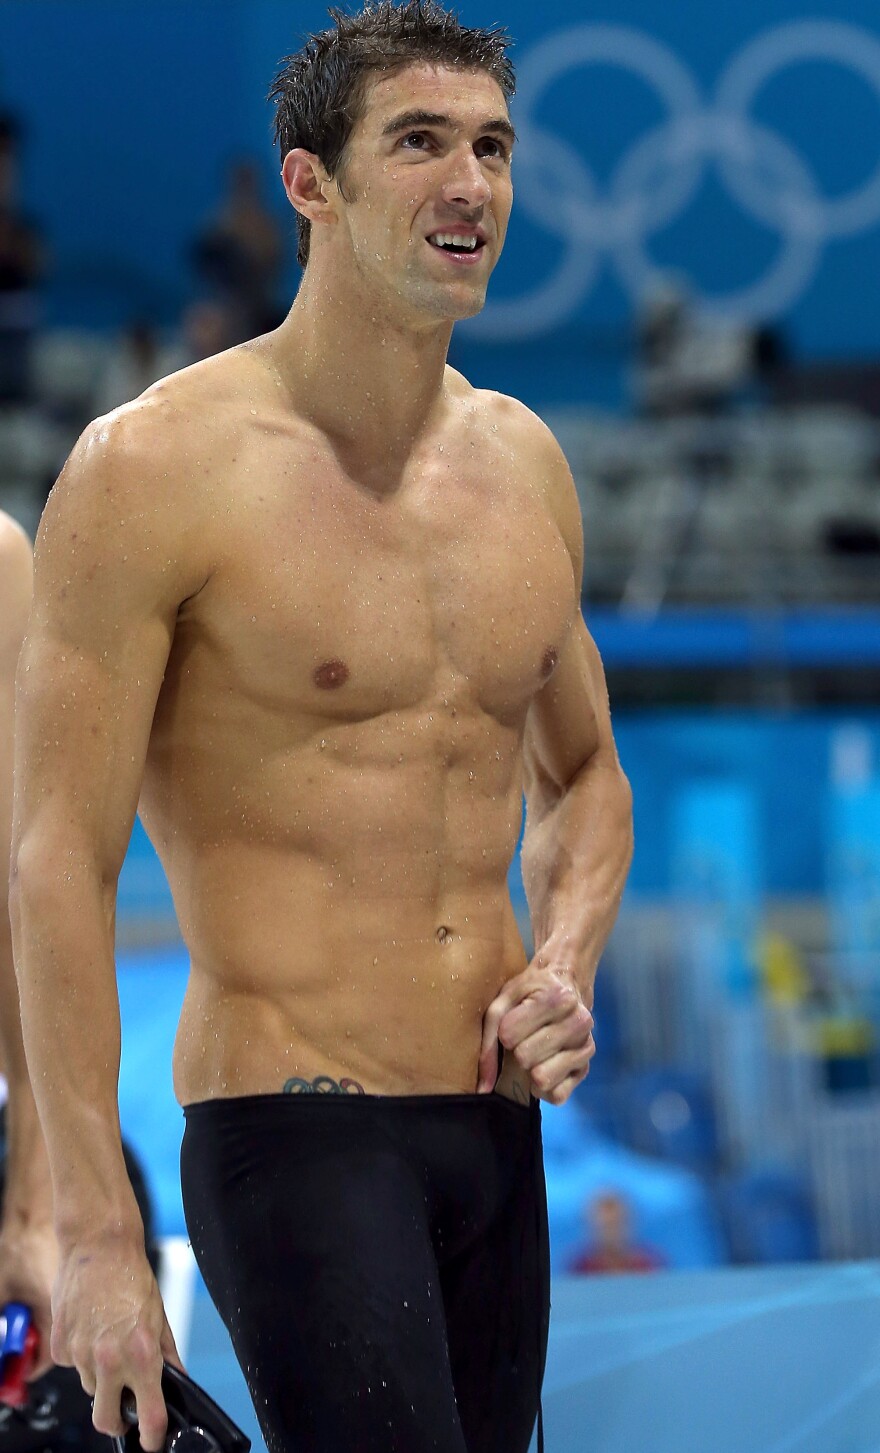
(569, 720)
(116, 554)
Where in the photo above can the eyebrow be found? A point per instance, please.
(415, 120)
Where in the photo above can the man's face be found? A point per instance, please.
(428, 162)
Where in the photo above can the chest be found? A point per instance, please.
(348, 603)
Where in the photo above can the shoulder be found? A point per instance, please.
(540, 462)
(166, 452)
(514, 425)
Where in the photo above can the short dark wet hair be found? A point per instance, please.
(319, 92)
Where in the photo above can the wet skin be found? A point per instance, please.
(334, 774)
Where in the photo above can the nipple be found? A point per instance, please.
(549, 661)
(331, 674)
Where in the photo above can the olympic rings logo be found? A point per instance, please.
(662, 172)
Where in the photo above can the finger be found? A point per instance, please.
(487, 1068)
(550, 1001)
(556, 1078)
(58, 1346)
(487, 1072)
(573, 1033)
(152, 1413)
(107, 1404)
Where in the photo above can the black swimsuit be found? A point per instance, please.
(381, 1263)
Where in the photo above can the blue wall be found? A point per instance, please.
(134, 108)
(784, 760)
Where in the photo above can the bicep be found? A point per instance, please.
(106, 592)
(569, 720)
(82, 729)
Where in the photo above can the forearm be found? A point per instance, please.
(62, 924)
(576, 855)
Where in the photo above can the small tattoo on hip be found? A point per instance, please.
(323, 1085)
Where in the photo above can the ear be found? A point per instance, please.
(305, 182)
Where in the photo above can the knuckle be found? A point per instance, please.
(564, 998)
(107, 1359)
(59, 1347)
(141, 1348)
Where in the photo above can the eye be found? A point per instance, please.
(492, 148)
(419, 138)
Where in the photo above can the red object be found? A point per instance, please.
(17, 1367)
(633, 1259)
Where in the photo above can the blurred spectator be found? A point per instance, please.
(141, 357)
(689, 362)
(609, 1247)
(137, 361)
(21, 267)
(240, 254)
(206, 328)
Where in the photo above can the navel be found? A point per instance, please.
(330, 674)
(549, 661)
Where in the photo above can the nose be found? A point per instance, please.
(466, 185)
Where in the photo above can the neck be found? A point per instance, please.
(369, 379)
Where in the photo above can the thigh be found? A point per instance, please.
(325, 1276)
(496, 1295)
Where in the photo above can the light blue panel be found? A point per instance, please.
(151, 989)
(143, 888)
(717, 877)
(854, 883)
(783, 756)
(785, 1360)
(671, 1209)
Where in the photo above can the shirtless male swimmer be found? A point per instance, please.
(313, 606)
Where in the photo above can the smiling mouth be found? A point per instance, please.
(456, 244)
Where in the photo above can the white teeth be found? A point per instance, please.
(452, 239)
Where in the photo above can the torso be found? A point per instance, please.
(334, 778)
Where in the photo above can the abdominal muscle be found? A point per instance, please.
(300, 972)
(346, 913)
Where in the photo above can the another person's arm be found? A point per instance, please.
(112, 567)
(576, 849)
(28, 1252)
